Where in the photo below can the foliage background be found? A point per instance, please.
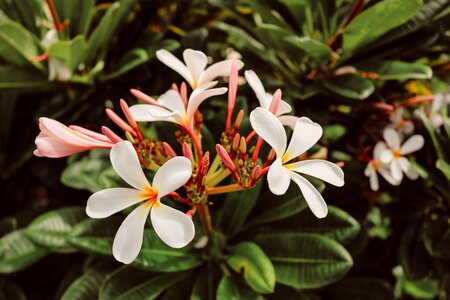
(394, 242)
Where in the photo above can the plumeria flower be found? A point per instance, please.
(56, 69)
(265, 99)
(402, 125)
(174, 228)
(281, 172)
(394, 156)
(171, 108)
(57, 140)
(194, 67)
(434, 115)
(375, 165)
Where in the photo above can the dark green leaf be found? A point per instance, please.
(249, 260)
(315, 49)
(350, 86)
(444, 167)
(131, 60)
(305, 260)
(230, 289)
(70, 53)
(13, 78)
(392, 69)
(436, 235)
(355, 288)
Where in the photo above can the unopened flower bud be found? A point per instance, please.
(243, 145)
(119, 122)
(225, 157)
(276, 100)
(127, 113)
(142, 96)
(256, 172)
(238, 121)
(168, 150)
(111, 135)
(187, 151)
(236, 142)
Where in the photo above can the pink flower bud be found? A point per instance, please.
(111, 135)
(142, 96)
(119, 122)
(168, 150)
(225, 157)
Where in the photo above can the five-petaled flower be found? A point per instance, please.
(306, 133)
(375, 165)
(194, 67)
(394, 156)
(399, 123)
(175, 228)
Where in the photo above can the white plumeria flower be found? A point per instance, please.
(194, 67)
(56, 69)
(306, 134)
(171, 108)
(265, 99)
(175, 228)
(438, 102)
(394, 156)
(375, 165)
(402, 125)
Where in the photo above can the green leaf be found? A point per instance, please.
(128, 283)
(70, 53)
(229, 289)
(413, 256)
(350, 86)
(355, 288)
(79, 14)
(444, 167)
(391, 69)
(315, 49)
(436, 235)
(249, 260)
(17, 45)
(51, 229)
(131, 60)
(377, 20)
(9, 290)
(13, 78)
(305, 261)
(237, 207)
(17, 252)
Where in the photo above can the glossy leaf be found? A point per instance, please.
(305, 260)
(315, 49)
(230, 289)
(391, 69)
(350, 86)
(254, 265)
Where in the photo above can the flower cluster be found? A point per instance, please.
(190, 177)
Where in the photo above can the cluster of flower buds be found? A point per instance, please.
(238, 161)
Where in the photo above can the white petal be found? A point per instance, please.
(284, 108)
(196, 62)
(104, 203)
(322, 169)
(175, 64)
(173, 227)
(388, 177)
(289, 121)
(374, 185)
(368, 170)
(162, 114)
(194, 102)
(436, 120)
(396, 170)
(306, 134)
(255, 83)
(140, 112)
(172, 175)
(437, 102)
(406, 167)
(278, 178)
(172, 100)
(378, 149)
(126, 163)
(413, 144)
(128, 240)
(408, 127)
(222, 68)
(312, 196)
(392, 138)
(270, 129)
(386, 156)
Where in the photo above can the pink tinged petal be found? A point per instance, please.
(270, 129)
(194, 102)
(373, 179)
(386, 156)
(388, 177)
(312, 196)
(38, 153)
(289, 121)
(408, 127)
(284, 108)
(222, 68)
(378, 149)
(55, 148)
(90, 133)
(322, 169)
(126, 163)
(172, 175)
(392, 138)
(278, 178)
(173, 227)
(128, 240)
(107, 202)
(196, 62)
(396, 170)
(306, 134)
(172, 101)
(413, 144)
(174, 63)
(256, 85)
(406, 167)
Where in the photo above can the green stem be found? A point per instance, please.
(223, 189)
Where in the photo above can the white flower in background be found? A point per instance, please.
(171, 108)
(397, 122)
(174, 228)
(265, 99)
(56, 69)
(281, 172)
(194, 67)
(394, 156)
(375, 165)
(434, 115)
